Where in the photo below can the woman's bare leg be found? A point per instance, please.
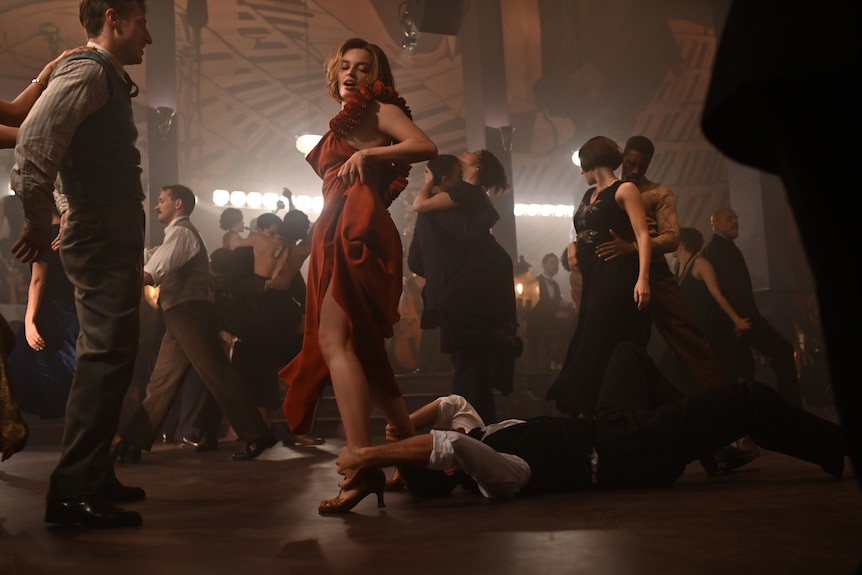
(394, 410)
(351, 388)
(349, 383)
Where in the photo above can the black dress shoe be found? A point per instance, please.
(726, 460)
(89, 511)
(255, 448)
(116, 492)
(192, 440)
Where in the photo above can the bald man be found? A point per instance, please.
(735, 281)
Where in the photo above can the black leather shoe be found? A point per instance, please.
(726, 460)
(116, 492)
(90, 511)
(255, 448)
(192, 440)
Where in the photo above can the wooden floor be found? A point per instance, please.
(206, 514)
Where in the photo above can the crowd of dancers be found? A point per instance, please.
(622, 423)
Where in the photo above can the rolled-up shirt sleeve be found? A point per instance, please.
(77, 89)
(179, 247)
(496, 474)
(455, 412)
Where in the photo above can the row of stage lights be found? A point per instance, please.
(265, 201)
(312, 205)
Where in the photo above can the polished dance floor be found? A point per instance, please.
(206, 514)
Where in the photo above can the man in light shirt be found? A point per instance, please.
(83, 127)
(643, 435)
(180, 267)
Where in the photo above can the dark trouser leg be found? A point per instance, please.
(639, 447)
(102, 254)
(704, 422)
(471, 382)
(259, 375)
(208, 420)
(194, 325)
(766, 339)
(632, 382)
(632, 450)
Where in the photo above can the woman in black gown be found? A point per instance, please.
(473, 297)
(616, 290)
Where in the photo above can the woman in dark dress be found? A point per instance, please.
(715, 316)
(468, 275)
(615, 291)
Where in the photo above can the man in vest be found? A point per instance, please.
(83, 127)
(180, 267)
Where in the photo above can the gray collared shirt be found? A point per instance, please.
(75, 90)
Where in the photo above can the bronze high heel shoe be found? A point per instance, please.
(373, 481)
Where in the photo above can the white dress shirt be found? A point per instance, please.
(497, 474)
(179, 247)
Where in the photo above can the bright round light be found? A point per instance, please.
(221, 197)
(306, 142)
(317, 204)
(254, 200)
(270, 200)
(237, 199)
(563, 211)
(576, 158)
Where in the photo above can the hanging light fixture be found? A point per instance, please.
(506, 137)
(408, 26)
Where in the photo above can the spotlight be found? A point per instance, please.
(254, 200)
(237, 199)
(221, 197)
(306, 142)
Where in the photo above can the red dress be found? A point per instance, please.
(355, 249)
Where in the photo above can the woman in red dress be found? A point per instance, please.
(354, 271)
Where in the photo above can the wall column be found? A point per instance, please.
(162, 146)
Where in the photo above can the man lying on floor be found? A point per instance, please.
(639, 438)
